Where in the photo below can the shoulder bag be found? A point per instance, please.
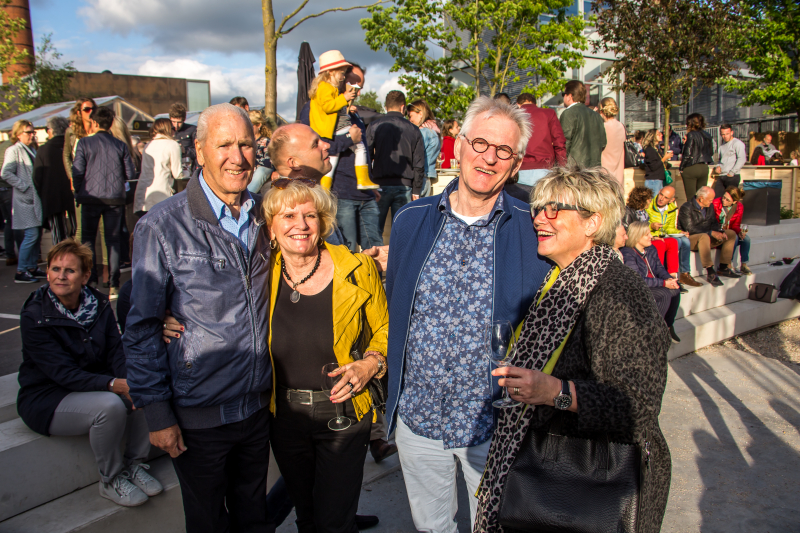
(763, 292)
(571, 485)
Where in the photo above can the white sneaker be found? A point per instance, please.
(122, 492)
(147, 483)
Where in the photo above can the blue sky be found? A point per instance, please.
(221, 41)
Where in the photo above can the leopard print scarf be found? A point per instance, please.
(544, 329)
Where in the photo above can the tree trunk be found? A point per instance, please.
(477, 55)
(271, 64)
(667, 109)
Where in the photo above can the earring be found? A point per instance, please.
(273, 244)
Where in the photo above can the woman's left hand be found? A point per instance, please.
(358, 373)
(528, 386)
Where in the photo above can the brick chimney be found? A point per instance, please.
(23, 40)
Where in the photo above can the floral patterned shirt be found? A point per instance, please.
(448, 392)
(262, 157)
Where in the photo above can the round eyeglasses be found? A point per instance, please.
(481, 145)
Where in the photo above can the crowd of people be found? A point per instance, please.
(257, 315)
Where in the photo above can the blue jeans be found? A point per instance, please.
(745, 250)
(655, 186)
(684, 252)
(531, 176)
(358, 221)
(29, 250)
(392, 197)
(261, 175)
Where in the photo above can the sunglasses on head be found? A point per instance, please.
(282, 183)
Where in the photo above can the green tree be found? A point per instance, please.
(490, 42)
(273, 31)
(664, 48)
(9, 56)
(771, 33)
(49, 81)
(370, 99)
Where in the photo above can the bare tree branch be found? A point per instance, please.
(296, 24)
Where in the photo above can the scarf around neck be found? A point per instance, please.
(87, 310)
(544, 329)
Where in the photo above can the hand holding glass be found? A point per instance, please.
(328, 382)
(501, 347)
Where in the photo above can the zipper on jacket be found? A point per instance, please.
(410, 311)
(245, 265)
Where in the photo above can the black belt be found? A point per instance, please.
(305, 397)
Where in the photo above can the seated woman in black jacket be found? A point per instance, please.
(72, 377)
(643, 258)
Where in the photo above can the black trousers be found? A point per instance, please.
(668, 301)
(724, 181)
(112, 226)
(323, 469)
(223, 476)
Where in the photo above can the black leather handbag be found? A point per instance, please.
(571, 485)
(763, 292)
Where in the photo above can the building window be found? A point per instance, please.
(198, 94)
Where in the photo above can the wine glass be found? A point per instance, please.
(745, 227)
(328, 382)
(501, 347)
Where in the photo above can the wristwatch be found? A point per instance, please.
(381, 363)
(563, 400)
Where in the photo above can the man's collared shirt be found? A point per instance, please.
(237, 228)
(448, 392)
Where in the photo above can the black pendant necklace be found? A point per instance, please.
(295, 296)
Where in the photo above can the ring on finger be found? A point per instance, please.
(516, 391)
(351, 387)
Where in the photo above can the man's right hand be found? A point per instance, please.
(355, 134)
(719, 236)
(380, 254)
(169, 439)
(656, 226)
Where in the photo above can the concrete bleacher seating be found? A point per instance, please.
(50, 484)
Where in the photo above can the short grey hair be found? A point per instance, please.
(703, 191)
(58, 124)
(590, 188)
(213, 111)
(495, 108)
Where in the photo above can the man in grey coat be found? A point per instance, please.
(583, 128)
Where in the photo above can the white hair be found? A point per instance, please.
(494, 108)
(58, 124)
(214, 110)
(703, 191)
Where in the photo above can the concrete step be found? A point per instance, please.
(9, 386)
(720, 323)
(46, 468)
(701, 299)
(85, 511)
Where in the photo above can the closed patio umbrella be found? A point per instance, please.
(305, 74)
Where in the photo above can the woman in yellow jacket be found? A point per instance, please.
(325, 302)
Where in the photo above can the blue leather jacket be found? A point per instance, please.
(219, 371)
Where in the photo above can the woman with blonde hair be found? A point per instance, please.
(327, 310)
(420, 114)
(613, 156)
(161, 166)
(18, 172)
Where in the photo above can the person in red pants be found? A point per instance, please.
(667, 249)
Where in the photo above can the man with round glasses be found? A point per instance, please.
(458, 260)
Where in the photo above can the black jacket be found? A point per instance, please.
(51, 180)
(102, 164)
(698, 149)
(60, 356)
(691, 218)
(653, 166)
(185, 137)
(397, 150)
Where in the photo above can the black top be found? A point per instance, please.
(302, 338)
(397, 151)
(51, 180)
